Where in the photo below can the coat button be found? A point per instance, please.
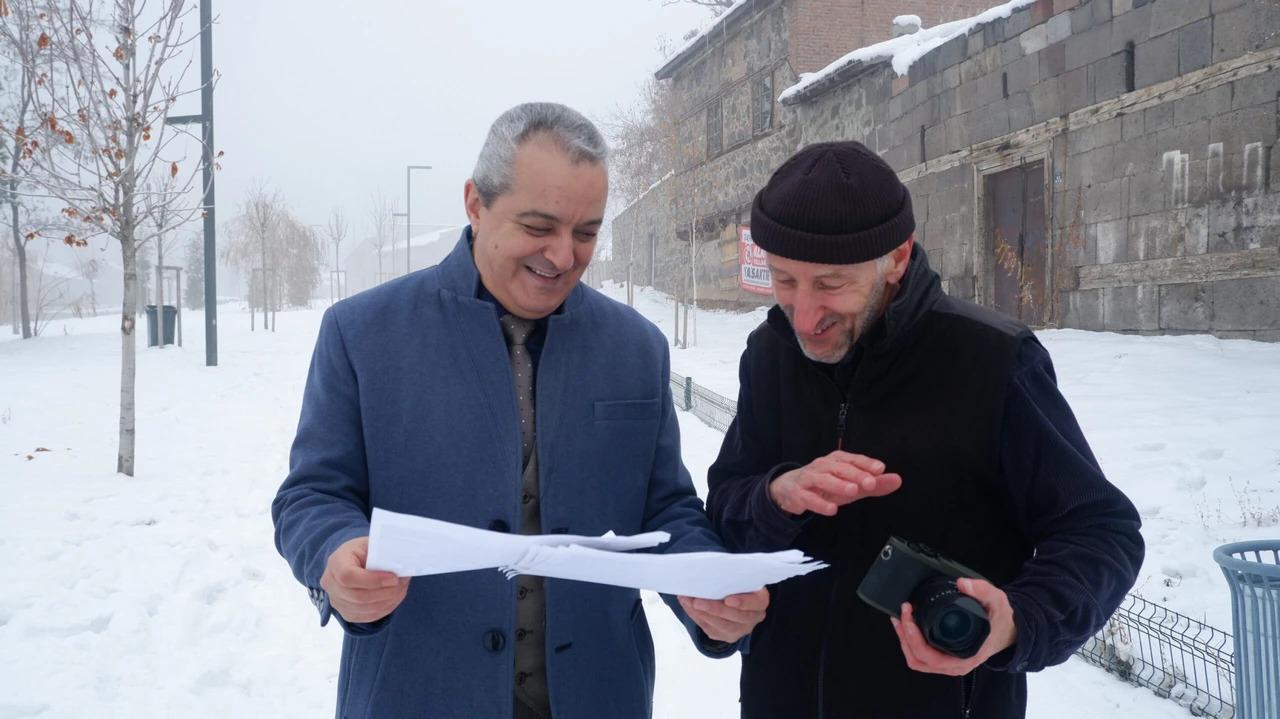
(522, 592)
(520, 635)
(520, 677)
(494, 641)
(498, 525)
(525, 498)
(1022, 666)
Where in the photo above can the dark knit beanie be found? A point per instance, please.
(833, 203)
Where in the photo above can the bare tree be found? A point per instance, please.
(104, 75)
(266, 240)
(655, 153)
(50, 292)
(90, 268)
(336, 232)
(19, 107)
(253, 239)
(382, 210)
(302, 256)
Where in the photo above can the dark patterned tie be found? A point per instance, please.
(517, 331)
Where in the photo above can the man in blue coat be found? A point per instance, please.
(497, 392)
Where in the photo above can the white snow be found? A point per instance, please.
(718, 23)
(163, 596)
(908, 21)
(903, 51)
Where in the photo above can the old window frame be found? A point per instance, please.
(715, 127)
(762, 103)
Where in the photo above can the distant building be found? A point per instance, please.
(427, 248)
(726, 81)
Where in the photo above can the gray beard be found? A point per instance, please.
(870, 314)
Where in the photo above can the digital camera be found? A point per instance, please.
(952, 622)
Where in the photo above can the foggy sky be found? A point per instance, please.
(328, 100)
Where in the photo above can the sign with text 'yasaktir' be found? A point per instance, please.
(754, 275)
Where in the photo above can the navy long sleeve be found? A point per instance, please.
(1088, 548)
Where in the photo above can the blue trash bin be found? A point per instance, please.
(170, 319)
(1253, 573)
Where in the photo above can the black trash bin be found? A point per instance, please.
(170, 319)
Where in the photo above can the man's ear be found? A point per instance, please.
(472, 202)
(900, 256)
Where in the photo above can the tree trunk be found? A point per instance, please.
(20, 246)
(160, 291)
(675, 333)
(128, 358)
(686, 326)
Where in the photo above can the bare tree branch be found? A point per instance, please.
(103, 81)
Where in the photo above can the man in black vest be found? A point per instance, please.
(871, 405)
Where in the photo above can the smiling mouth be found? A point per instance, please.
(823, 331)
(543, 275)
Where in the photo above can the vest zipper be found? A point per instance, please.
(967, 685)
(844, 413)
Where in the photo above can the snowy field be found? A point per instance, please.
(162, 596)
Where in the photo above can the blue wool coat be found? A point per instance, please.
(410, 406)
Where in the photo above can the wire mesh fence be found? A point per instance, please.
(1177, 657)
(715, 410)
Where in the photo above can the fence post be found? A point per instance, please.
(1255, 614)
(688, 393)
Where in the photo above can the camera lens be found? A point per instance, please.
(952, 622)
(956, 626)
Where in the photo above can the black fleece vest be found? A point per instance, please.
(926, 398)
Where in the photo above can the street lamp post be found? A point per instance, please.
(408, 211)
(205, 120)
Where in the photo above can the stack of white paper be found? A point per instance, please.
(705, 575)
(413, 546)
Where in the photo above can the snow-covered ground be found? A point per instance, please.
(163, 596)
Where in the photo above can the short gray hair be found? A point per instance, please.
(568, 128)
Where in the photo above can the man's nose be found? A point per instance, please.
(559, 251)
(807, 312)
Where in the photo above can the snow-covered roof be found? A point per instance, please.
(902, 51)
(703, 37)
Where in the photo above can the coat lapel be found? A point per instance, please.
(479, 332)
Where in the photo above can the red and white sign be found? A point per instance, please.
(754, 275)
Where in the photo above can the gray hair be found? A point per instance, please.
(569, 129)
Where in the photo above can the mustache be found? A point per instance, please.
(829, 319)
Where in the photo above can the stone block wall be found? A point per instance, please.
(1157, 123)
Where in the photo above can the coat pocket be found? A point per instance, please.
(627, 410)
(362, 659)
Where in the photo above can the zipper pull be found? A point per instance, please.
(844, 412)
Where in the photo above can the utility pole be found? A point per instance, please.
(408, 212)
(205, 119)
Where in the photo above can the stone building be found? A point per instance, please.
(733, 132)
(1100, 164)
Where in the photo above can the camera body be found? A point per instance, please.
(906, 572)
